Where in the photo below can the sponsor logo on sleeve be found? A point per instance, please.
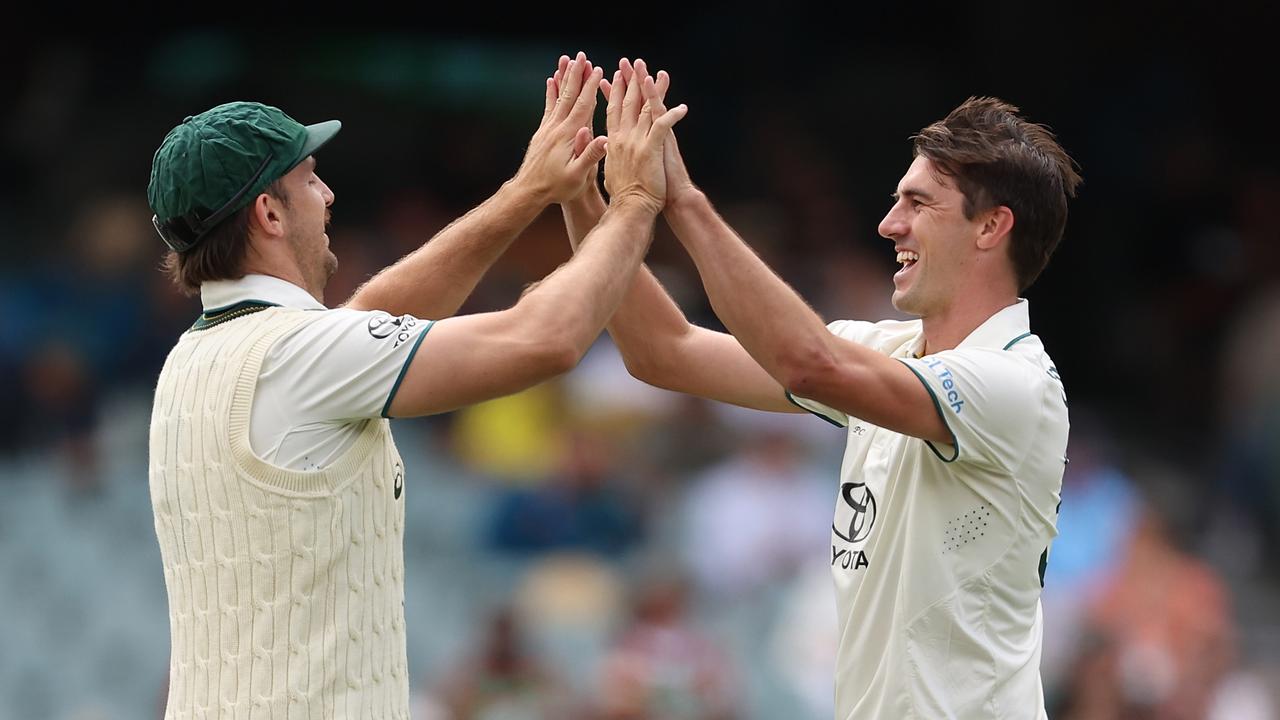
(383, 325)
(952, 395)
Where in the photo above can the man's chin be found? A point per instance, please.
(904, 302)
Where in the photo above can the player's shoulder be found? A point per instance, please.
(1010, 365)
(1030, 349)
(341, 320)
(1019, 373)
(359, 333)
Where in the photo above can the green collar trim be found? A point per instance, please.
(1018, 339)
(231, 312)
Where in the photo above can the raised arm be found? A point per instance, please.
(659, 345)
(434, 280)
(782, 333)
(472, 358)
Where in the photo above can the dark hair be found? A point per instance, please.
(220, 254)
(998, 158)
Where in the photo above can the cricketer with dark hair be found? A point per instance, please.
(957, 421)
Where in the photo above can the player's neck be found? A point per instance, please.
(947, 328)
(279, 265)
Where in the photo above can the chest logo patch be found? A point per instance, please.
(856, 514)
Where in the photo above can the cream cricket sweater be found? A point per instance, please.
(286, 588)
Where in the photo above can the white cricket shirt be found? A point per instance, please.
(318, 383)
(938, 550)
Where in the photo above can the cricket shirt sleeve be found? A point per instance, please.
(991, 402)
(858, 331)
(345, 365)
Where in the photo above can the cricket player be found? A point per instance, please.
(277, 488)
(957, 421)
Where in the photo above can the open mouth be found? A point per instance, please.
(908, 260)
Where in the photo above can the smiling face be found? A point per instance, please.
(307, 217)
(935, 243)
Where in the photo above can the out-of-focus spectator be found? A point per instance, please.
(756, 517)
(688, 440)
(1161, 637)
(803, 646)
(1099, 512)
(582, 506)
(1250, 422)
(602, 393)
(570, 605)
(62, 409)
(503, 681)
(663, 667)
(99, 304)
(1246, 695)
(78, 329)
(515, 440)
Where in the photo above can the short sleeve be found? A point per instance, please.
(855, 330)
(990, 401)
(345, 365)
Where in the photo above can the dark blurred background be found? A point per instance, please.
(594, 548)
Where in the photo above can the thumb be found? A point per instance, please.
(671, 152)
(581, 140)
(676, 170)
(592, 154)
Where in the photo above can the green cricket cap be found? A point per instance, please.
(217, 162)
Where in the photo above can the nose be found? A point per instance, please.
(326, 193)
(894, 225)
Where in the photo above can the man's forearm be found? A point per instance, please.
(775, 325)
(581, 215)
(582, 295)
(434, 280)
(648, 317)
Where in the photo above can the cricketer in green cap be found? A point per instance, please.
(217, 162)
(271, 453)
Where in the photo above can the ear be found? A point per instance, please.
(997, 223)
(266, 216)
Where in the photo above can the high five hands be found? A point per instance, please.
(642, 161)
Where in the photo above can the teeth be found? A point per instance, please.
(907, 256)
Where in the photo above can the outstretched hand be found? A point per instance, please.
(679, 184)
(563, 155)
(634, 166)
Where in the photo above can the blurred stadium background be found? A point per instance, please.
(595, 548)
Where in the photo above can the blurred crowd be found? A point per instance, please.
(669, 557)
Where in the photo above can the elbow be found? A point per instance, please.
(641, 368)
(559, 357)
(546, 355)
(546, 342)
(653, 363)
(557, 350)
(807, 372)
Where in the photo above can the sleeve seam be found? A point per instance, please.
(941, 416)
(404, 369)
(791, 398)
